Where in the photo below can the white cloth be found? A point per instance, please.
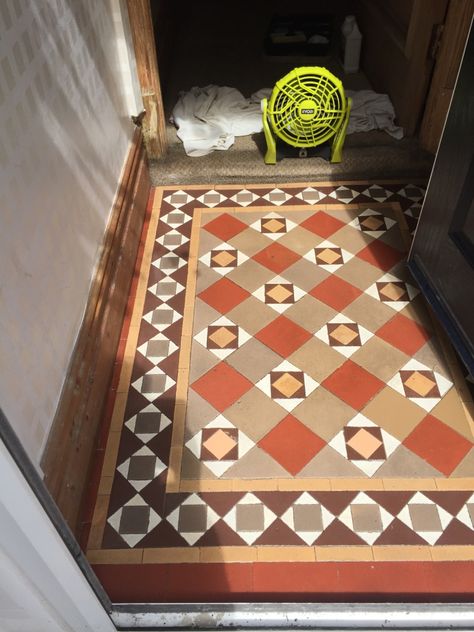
(371, 110)
(210, 118)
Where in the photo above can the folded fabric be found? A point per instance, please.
(210, 118)
(371, 110)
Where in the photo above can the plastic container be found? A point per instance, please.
(351, 43)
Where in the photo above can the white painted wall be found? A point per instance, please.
(67, 89)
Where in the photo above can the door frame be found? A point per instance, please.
(433, 114)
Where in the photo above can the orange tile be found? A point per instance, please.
(380, 255)
(291, 444)
(439, 445)
(225, 226)
(283, 336)
(404, 334)
(224, 295)
(353, 384)
(335, 292)
(222, 386)
(322, 224)
(276, 257)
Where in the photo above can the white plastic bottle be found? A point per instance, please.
(351, 43)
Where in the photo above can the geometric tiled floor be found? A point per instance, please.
(283, 394)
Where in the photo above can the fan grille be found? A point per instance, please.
(299, 86)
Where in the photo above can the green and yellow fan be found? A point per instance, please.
(309, 112)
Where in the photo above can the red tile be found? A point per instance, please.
(335, 292)
(291, 444)
(381, 255)
(283, 336)
(225, 226)
(276, 257)
(438, 444)
(404, 334)
(222, 386)
(353, 384)
(216, 580)
(224, 295)
(322, 224)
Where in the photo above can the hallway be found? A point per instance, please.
(283, 406)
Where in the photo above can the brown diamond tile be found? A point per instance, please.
(219, 443)
(286, 384)
(254, 360)
(324, 413)
(394, 413)
(380, 358)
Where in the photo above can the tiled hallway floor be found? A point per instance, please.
(282, 397)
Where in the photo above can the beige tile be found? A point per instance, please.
(207, 241)
(404, 463)
(204, 315)
(380, 358)
(351, 239)
(253, 360)
(198, 414)
(450, 410)
(250, 275)
(369, 313)
(310, 313)
(344, 213)
(252, 315)
(343, 553)
(193, 469)
(256, 464)
(394, 413)
(286, 554)
(317, 359)
(249, 242)
(115, 556)
(255, 414)
(228, 554)
(466, 467)
(324, 413)
(359, 273)
(431, 354)
(305, 275)
(417, 311)
(300, 240)
(329, 464)
(172, 555)
(201, 362)
(205, 277)
(394, 553)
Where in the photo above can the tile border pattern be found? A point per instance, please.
(176, 205)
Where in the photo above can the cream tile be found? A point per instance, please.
(286, 554)
(395, 553)
(380, 358)
(171, 555)
(394, 413)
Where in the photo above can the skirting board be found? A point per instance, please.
(71, 443)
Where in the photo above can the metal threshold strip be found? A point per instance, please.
(303, 616)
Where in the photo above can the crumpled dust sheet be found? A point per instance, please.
(209, 118)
